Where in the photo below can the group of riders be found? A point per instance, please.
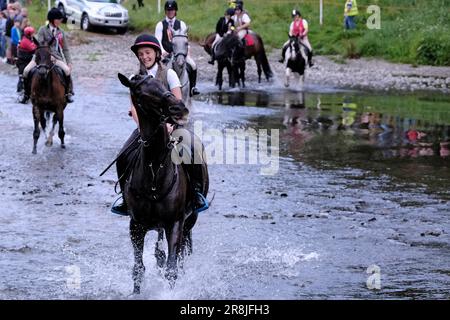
(236, 19)
(152, 51)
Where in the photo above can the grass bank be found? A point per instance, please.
(412, 31)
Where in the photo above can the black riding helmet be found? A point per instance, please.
(54, 14)
(147, 40)
(171, 5)
(295, 12)
(229, 12)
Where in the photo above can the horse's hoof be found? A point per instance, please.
(49, 143)
(34, 152)
(286, 85)
(136, 290)
(63, 146)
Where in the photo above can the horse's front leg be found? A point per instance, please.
(137, 235)
(61, 133)
(219, 77)
(243, 74)
(49, 142)
(174, 236)
(160, 255)
(37, 131)
(287, 76)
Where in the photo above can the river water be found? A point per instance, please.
(357, 206)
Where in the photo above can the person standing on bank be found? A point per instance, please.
(59, 51)
(163, 32)
(350, 13)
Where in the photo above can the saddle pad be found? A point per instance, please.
(249, 40)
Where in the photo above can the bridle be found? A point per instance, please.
(156, 113)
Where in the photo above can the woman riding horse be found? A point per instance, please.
(148, 51)
(164, 31)
(60, 53)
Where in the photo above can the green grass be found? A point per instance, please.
(412, 31)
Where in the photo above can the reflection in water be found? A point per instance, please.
(353, 125)
(404, 136)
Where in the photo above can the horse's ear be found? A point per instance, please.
(124, 80)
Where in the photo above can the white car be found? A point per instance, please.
(90, 13)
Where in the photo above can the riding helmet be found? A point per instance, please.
(54, 14)
(146, 40)
(295, 12)
(28, 31)
(229, 12)
(171, 5)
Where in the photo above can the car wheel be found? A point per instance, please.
(63, 11)
(85, 24)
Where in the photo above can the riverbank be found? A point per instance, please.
(104, 55)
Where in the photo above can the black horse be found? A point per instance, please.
(157, 190)
(239, 51)
(224, 61)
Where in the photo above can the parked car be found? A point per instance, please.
(90, 13)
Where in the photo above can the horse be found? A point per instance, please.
(47, 94)
(180, 47)
(295, 58)
(222, 63)
(157, 191)
(252, 46)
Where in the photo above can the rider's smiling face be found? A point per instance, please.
(147, 56)
(171, 13)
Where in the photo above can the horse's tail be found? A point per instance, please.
(264, 61)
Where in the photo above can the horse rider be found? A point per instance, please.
(223, 26)
(241, 20)
(149, 53)
(163, 32)
(299, 29)
(25, 51)
(59, 51)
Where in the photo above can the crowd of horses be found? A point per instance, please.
(165, 204)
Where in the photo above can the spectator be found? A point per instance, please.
(16, 35)
(3, 19)
(350, 13)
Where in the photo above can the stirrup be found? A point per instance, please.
(205, 205)
(117, 208)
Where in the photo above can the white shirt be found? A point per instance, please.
(243, 19)
(172, 78)
(159, 30)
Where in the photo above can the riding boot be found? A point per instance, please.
(213, 58)
(69, 89)
(193, 82)
(283, 52)
(126, 156)
(310, 54)
(195, 173)
(26, 90)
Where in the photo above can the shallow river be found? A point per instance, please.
(355, 206)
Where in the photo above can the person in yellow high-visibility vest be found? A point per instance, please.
(350, 12)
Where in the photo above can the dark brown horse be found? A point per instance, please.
(252, 46)
(47, 95)
(157, 191)
(222, 63)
